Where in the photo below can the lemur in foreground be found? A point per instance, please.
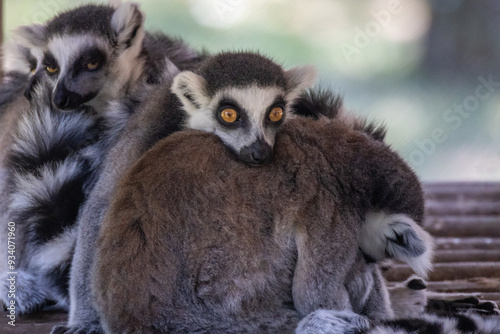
(195, 241)
(84, 61)
(241, 97)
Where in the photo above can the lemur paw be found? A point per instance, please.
(28, 298)
(78, 329)
(332, 322)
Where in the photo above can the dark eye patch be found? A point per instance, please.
(230, 103)
(49, 60)
(280, 102)
(89, 56)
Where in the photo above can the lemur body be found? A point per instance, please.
(162, 114)
(86, 60)
(195, 241)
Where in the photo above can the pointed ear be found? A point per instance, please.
(191, 89)
(20, 55)
(298, 79)
(127, 22)
(32, 36)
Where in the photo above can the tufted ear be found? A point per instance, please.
(298, 79)
(127, 22)
(191, 89)
(30, 36)
(24, 52)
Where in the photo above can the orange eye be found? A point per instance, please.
(93, 65)
(52, 70)
(276, 114)
(229, 115)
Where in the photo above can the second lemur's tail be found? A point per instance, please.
(399, 237)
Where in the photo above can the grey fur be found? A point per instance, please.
(197, 242)
(148, 124)
(158, 116)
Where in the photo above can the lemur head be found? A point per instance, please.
(243, 98)
(91, 54)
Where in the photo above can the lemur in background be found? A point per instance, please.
(74, 69)
(229, 94)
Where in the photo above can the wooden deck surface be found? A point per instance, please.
(464, 218)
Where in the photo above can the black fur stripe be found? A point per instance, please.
(46, 145)
(465, 324)
(50, 213)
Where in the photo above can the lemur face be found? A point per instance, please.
(89, 54)
(78, 67)
(243, 98)
(246, 119)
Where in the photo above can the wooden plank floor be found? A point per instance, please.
(40, 323)
(464, 217)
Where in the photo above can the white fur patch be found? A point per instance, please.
(30, 187)
(57, 251)
(329, 321)
(379, 228)
(190, 89)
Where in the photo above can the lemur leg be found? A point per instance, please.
(326, 251)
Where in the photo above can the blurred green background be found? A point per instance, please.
(429, 70)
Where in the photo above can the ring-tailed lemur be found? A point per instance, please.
(45, 145)
(161, 114)
(243, 98)
(195, 241)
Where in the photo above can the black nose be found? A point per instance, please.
(66, 99)
(259, 153)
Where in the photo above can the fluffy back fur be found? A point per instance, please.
(196, 242)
